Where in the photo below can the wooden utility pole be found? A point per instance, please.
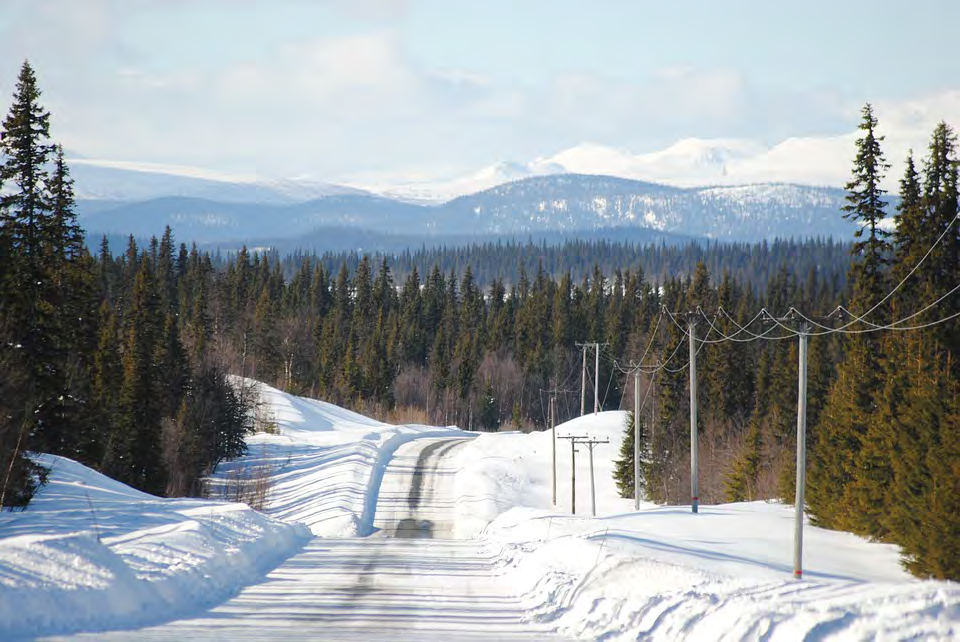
(801, 453)
(573, 471)
(553, 441)
(804, 335)
(596, 379)
(583, 377)
(591, 443)
(636, 440)
(694, 481)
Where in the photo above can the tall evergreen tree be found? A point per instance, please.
(42, 288)
(866, 208)
(836, 499)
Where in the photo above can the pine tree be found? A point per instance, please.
(624, 466)
(133, 449)
(865, 207)
(917, 422)
(940, 203)
(489, 416)
(841, 496)
(43, 290)
(741, 483)
(909, 220)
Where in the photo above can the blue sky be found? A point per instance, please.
(336, 88)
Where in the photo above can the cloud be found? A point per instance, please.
(920, 113)
(363, 100)
(371, 9)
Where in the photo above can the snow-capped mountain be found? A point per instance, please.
(105, 180)
(691, 162)
(560, 203)
(722, 189)
(574, 202)
(441, 191)
(688, 162)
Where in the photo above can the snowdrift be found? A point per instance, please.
(93, 554)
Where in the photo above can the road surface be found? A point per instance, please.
(408, 581)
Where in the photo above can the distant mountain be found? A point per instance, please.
(539, 206)
(440, 191)
(206, 221)
(688, 162)
(691, 162)
(130, 182)
(573, 201)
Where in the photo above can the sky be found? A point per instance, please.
(338, 89)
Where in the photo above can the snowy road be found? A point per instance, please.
(417, 497)
(408, 581)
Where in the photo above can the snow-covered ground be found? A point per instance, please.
(93, 555)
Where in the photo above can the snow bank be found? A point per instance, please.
(645, 576)
(663, 573)
(94, 554)
(325, 466)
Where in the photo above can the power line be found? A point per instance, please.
(909, 274)
(741, 329)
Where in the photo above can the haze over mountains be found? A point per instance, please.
(724, 189)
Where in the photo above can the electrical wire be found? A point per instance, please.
(777, 323)
(760, 315)
(724, 337)
(857, 319)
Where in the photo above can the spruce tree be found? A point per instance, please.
(44, 295)
(837, 499)
(918, 418)
(940, 203)
(866, 208)
(133, 452)
(741, 482)
(624, 466)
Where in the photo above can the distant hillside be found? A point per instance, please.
(576, 201)
(542, 207)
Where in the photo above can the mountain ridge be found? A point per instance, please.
(557, 203)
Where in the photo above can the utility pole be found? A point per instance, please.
(583, 384)
(553, 440)
(801, 453)
(694, 482)
(804, 335)
(573, 471)
(636, 439)
(596, 379)
(591, 443)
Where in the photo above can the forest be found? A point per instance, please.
(126, 360)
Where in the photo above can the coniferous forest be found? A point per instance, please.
(121, 358)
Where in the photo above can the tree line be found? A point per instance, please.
(757, 263)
